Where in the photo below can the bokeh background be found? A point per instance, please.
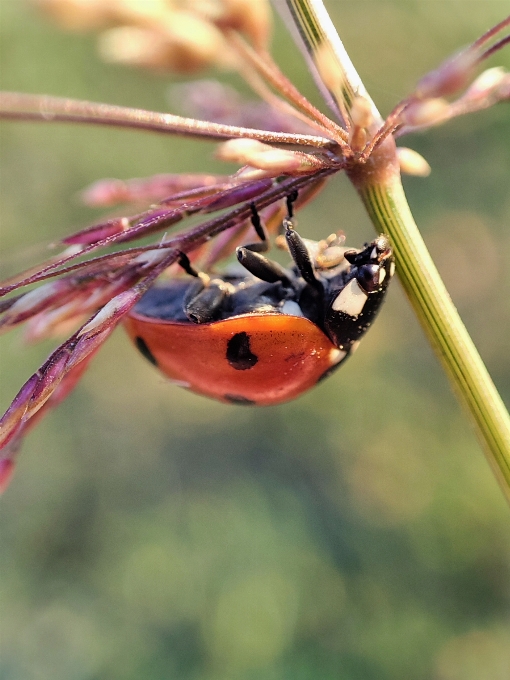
(354, 534)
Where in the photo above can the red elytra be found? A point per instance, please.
(258, 359)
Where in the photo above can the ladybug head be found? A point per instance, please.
(354, 296)
(368, 266)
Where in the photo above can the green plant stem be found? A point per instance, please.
(388, 209)
(317, 34)
(380, 188)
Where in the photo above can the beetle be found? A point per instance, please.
(266, 334)
(262, 335)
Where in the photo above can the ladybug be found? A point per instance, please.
(266, 334)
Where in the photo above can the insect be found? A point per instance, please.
(270, 334)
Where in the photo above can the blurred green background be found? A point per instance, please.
(355, 534)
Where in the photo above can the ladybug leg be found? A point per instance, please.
(258, 265)
(261, 246)
(299, 251)
(300, 254)
(185, 263)
(201, 303)
(203, 297)
(262, 267)
(291, 199)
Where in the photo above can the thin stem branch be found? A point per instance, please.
(186, 241)
(260, 88)
(16, 106)
(492, 32)
(495, 48)
(267, 69)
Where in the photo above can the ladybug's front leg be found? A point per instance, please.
(258, 265)
(201, 303)
(204, 296)
(300, 254)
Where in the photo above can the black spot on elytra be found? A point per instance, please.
(239, 354)
(239, 400)
(145, 351)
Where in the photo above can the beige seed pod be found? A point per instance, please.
(77, 15)
(183, 43)
(266, 158)
(486, 83)
(134, 46)
(412, 163)
(196, 43)
(361, 112)
(139, 12)
(328, 67)
(252, 18)
(427, 112)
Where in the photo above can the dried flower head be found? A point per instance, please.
(183, 36)
(89, 289)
